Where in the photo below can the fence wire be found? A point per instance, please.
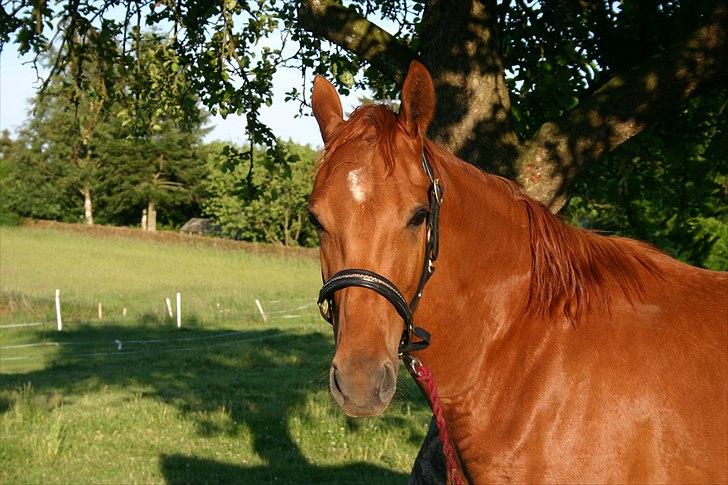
(269, 310)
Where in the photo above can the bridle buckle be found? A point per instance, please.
(412, 363)
(325, 310)
(437, 191)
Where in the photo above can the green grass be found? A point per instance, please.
(228, 398)
(122, 272)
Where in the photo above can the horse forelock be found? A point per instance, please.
(372, 124)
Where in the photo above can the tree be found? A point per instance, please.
(41, 180)
(668, 186)
(161, 172)
(160, 129)
(134, 146)
(30, 187)
(534, 90)
(263, 201)
(67, 117)
(61, 134)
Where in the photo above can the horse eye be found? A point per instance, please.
(419, 217)
(315, 222)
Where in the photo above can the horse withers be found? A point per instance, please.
(560, 355)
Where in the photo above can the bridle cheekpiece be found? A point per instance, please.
(369, 279)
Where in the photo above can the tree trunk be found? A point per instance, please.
(460, 47)
(271, 236)
(151, 216)
(621, 108)
(298, 226)
(88, 211)
(286, 229)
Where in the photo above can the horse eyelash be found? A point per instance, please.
(315, 222)
(419, 217)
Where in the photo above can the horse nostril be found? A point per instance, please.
(336, 383)
(388, 384)
(335, 379)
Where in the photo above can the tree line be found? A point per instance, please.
(137, 157)
(612, 113)
(668, 187)
(182, 175)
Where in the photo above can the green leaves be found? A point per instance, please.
(127, 138)
(667, 186)
(265, 202)
(155, 88)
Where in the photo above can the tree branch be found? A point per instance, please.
(620, 109)
(346, 28)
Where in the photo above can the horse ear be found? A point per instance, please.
(326, 107)
(417, 101)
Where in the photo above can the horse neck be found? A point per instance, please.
(482, 275)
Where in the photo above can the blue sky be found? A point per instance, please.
(18, 84)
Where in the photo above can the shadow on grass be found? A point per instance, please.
(259, 377)
(180, 469)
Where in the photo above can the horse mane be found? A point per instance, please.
(571, 267)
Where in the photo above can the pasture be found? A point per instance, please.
(228, 397)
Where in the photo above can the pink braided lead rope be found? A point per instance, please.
(424, 377)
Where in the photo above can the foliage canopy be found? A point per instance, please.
(541, 91)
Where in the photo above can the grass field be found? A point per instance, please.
(227, 398)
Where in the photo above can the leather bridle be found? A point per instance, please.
(369, 279)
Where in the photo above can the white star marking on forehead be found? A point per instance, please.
(355, 185)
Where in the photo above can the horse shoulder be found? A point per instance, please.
(641, 384)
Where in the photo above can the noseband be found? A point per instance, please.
(369, 279)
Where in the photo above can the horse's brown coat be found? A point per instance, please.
(560, 355)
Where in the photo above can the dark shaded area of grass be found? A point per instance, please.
(258, 376)
(181, 469)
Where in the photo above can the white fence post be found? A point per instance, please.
(179, 310)
(260, 309)
(169, 307)
(101, 312)
(59, 321)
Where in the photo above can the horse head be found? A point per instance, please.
(371, 205)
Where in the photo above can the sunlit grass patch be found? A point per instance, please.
(137, 400)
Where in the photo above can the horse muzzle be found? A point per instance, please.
(362, 388)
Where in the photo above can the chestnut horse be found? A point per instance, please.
(561, 355)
